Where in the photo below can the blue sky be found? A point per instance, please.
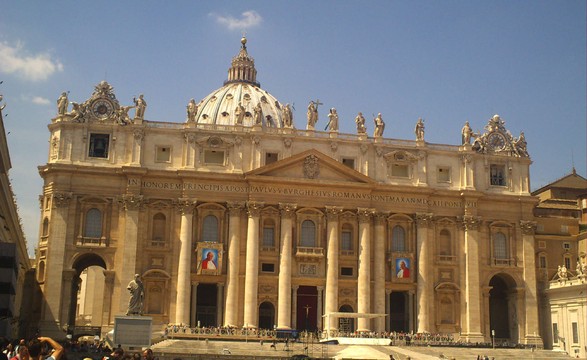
(444, 61)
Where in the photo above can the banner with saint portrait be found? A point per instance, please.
(402, 269)
(209, 258)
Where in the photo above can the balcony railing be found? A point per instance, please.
(503, 262)
(347, 252)
(448, 259)
(92, 242)
(309, 253)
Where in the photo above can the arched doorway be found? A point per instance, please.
(346, 324)
(503, 308)
(266, 315)
(88, 303)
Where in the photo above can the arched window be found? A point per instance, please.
(346, 238)
(445, 243)
(268, 233)
(500, 248)
(93, 225)
(45, 227)
(41, 273)
(159, 225)
(398, 239)
(308, 234)
(210, 229)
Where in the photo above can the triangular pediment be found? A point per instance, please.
(310, 165)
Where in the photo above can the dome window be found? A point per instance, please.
(213, 99)
(264, 99)
(205, 116)
(248, 114)
(229, 97)
(247, 97)
(224, 114)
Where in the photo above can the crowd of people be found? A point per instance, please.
(45, 348)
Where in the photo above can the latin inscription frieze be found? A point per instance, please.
(300, 192)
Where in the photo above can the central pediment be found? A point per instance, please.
(310, 165)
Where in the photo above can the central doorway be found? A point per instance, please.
(307, 308)
(206, 305)
(398, 314)
(502, 308)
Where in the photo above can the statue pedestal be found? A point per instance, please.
(132, 331)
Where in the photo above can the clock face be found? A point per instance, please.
(496, 141)
(102, 109)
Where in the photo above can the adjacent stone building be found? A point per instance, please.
(14, 259)
(234, 217)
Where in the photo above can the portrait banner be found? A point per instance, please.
(209, 258)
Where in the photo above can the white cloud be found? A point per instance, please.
(249, 19)
(40, 100)
(37, 67)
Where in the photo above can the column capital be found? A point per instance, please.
(381, 217)
(469, 222)
(387, 292)
(295, 287)
(195, 283)
(190, 138)
(61, 199)
(287, 210)
(220, 284)
(185, 205)
(365, 214)
(332, 212)
(528, 227)
(132, 201)
(109, 276)
(320, 288)
(139, 134)
(424, 219)
(254, 208)
(235, 207)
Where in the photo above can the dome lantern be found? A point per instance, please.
(242, 68)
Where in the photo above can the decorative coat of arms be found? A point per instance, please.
(311, 167)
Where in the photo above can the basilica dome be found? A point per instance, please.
(241, 101)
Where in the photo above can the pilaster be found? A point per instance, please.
(380, 299)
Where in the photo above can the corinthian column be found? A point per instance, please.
(331, 299)
(472, 292)
(182, 304)
(364, 280)
(531, 309)
(424, 293)
(284, 292)
(132, 204)
(53, 281)
(232, 281)
(252, 264)
(379, 271)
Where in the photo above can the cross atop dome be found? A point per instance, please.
(242, 68)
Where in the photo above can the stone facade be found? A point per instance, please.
(299, 223)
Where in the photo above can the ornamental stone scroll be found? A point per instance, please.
(131, 201)
(254, 208)
(185, 205)
(365, 214)
(287, 210)
(470, 223)
(61, 199)
(528, 227)
(424, 219)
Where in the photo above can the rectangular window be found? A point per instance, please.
(99, 144)
(346, 271)
(567, 262)
(542, 244)
(443, 174)
(575, 328)
(214, 157)
(567, 246)
(565, 229)
(163, 154)
(540, 228)
(348, 162)
(555, 333)
(270, 158)
(497, 175)
(267, 267)
(346, 241)
(543, 262)
(398, 170)
(268, 237)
